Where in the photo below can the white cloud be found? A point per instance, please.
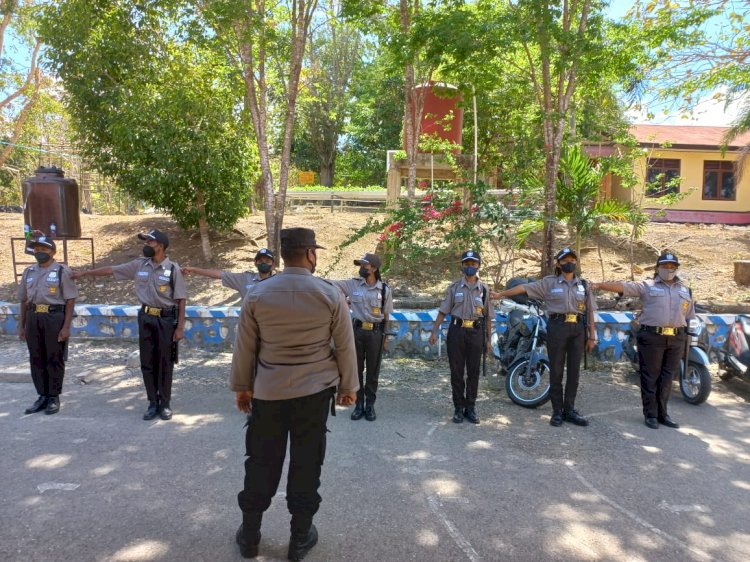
(709, 111)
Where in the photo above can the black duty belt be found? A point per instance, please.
(571, 317)
(46, 308)
(664, 330)
(155, 311)
(367, 326)
(469, 324)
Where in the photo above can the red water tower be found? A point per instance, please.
(442, 114)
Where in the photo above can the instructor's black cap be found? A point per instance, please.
(668, 257)
(264, 252)
(43, 241)
(372, 259)
(471, 255)
(298, 238)
(156, 235)
(565, 252)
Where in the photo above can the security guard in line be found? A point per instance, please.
(467, 301)
(371, 302)
(160, 288)
(570, 307)
(285, 374)
(667, 308)
(244, 281)
(48, 295)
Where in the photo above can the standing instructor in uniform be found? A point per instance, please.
(667, 308)
(285, 373)
(48, 295)
(160, 288)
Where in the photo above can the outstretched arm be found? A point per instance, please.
(98, 272)
(612, 286)
(517, 290)
(212, 273)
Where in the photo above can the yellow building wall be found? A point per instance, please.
(691, 175)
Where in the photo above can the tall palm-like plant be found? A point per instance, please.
(739, 128)
(579, 199)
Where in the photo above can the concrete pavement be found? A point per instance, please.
(97, 483)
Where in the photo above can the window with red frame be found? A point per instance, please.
(662, 177)
(718, 180)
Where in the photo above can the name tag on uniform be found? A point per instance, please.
(142, 274)
(358, 294)
(555, 290)
(249, 286)
(459, 294)
(163, 278)
(656, 292)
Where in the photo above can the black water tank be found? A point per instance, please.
(51, 199)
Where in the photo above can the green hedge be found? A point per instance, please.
(313, 188)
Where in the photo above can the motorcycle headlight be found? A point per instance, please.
(695, 327)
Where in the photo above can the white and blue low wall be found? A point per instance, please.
(214, 328)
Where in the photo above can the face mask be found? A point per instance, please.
(314, 265)
(363, 273)
(666, 274)
(42, 257)
(264, 267)
(470, 271)
(569, 267)
(149, 252)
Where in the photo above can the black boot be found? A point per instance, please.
(165, 412)
(151, 411)
(53, 405)
(38, 406)
(370, 413)
(301, 542)
(358, 412)
(248, 535)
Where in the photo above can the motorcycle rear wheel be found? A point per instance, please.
(695, 384)
(530, 390)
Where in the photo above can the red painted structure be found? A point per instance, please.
(440, 100)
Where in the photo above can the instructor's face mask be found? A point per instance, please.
(264, 267)
(568, 267)
(470, 270)
(364, 272)
(149, 252)
(42, 257)
(666, 274)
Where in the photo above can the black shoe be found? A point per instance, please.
(458, 415)
(370, 413)
(301, 544)
(165, 412)
(248, 548)
(38, 406)
(556, 419)
(666, 420)
(652, 423)
(471, 415)
(152, 411)
(358, 412)
(575, 418)
(53, 405)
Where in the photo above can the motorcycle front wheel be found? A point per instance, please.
(695, 383)
(528, 389)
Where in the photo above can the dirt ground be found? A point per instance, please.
(707, 253)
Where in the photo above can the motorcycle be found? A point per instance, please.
(522, 355)
(734, 358)
(695, 380)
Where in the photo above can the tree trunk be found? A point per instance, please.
(327, 170)
(200, 204)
